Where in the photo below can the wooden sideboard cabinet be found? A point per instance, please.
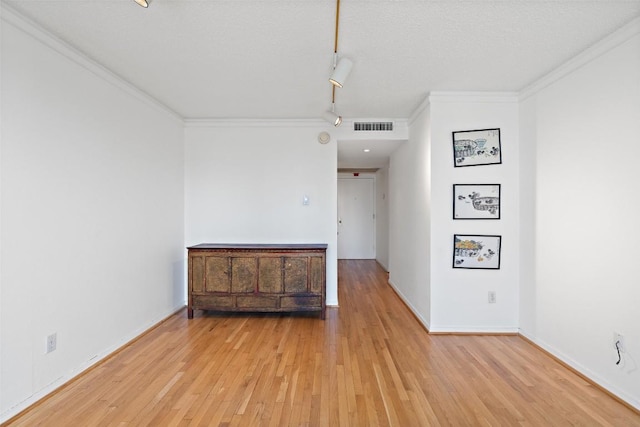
(257, 277)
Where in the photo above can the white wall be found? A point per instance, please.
(410, 218)
(382, 217)
(92, 214)
(245, 183)
(459, 300)
(421, 177)
(585, 127)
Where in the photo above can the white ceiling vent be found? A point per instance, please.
(373, 126)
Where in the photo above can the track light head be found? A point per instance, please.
(341, 72)
(144, 3)
(332, 118)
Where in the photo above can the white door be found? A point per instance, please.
(356, 221)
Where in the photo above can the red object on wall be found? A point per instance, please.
(356, 174)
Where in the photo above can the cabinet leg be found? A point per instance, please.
(189, 313)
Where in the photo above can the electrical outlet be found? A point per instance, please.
(52, 342)
(492, 297)
(618, 341)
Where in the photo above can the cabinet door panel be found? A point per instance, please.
(257, 302)
(196, 281)
(270, 275)
(243, 274)
(316, 274)
(211, 301)
(217, 270)
(300, 302)
(295, 274)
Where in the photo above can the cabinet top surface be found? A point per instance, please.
(283, 246)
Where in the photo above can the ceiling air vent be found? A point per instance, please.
(373, 126)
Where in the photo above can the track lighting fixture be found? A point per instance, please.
(332, 117)
(341, 71)
(143, 3)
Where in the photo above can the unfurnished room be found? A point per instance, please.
(319, 212)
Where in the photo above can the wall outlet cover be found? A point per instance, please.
(492, 297)
(52, 342)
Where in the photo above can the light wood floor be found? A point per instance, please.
(369, 363)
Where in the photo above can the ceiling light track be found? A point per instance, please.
(341, 70)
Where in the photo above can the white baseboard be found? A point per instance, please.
(439, 329)
(59, 382)
(382, 265)
(632, 401)
(480, 330)
(415, 312)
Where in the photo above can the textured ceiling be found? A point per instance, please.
(272, 58)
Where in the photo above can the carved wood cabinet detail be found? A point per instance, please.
(248, 277)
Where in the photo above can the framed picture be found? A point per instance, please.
(476, 147)
(476, 251)
(476, 201)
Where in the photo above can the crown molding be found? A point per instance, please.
(249, 122)
(14, 18)
(418, 110)
(466, 97)
(253, 122)
(586, 56)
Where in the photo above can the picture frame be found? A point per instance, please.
(477, 147)
(476, 251)
(476, 201)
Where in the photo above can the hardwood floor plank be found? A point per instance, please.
(370, 363)
(387, 402)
